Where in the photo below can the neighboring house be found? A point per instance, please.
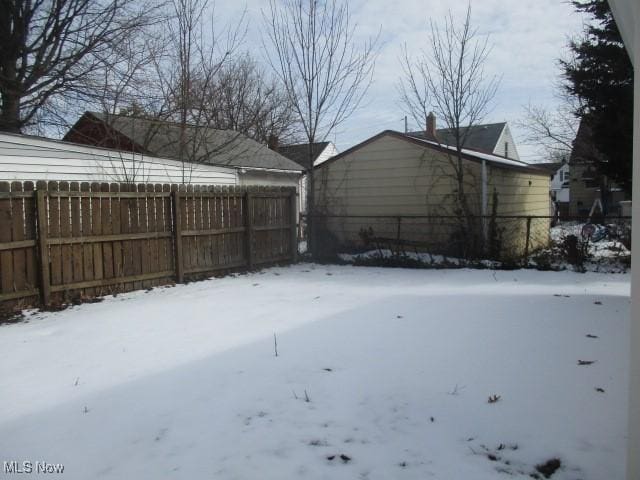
(320, 153)
(559, 172)
(493, 138)
(560, 182)
(254, 163)
(587, 185)
(28, 158)
(394, 174)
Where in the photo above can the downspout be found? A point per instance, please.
(484, 208)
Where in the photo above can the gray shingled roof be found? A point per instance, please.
(483, 138)
(203, 144)
(300, 153)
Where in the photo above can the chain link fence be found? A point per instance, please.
(507, 240)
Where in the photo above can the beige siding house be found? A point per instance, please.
(394, 174)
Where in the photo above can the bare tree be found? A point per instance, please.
(180, 64)
(552, 131)
(324, 73)
(243, 98)
(448, 77)
(54, 48)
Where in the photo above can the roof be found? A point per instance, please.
(494, 160)
(483, 138)
(203, 144)
(552, 167)
(584, 150)
(300, 153)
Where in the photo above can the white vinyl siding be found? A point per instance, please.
(501, 146)
(31, 158)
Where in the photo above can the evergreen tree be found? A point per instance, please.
(600, 74)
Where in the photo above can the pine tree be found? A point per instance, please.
(600, 74)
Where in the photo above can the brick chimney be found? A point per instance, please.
(273, 143)
(431, 126)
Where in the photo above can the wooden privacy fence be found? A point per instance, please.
(60, 240)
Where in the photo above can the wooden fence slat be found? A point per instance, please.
(55, 252)
(152, 260)
(136, 246)
(17, 235)
(97, 261)
(31, 264)
(166, 215)
(217, 221)
(43, 233)
(178, 222)
(86, 231)
(77, 251)
(144, 205)
(65, 232)
(127, 251)
(186, 202)
(248, 223)
(156, 225)
(6, 256)
(206, 240)
(198, 224)
(116, 209)
(237, 222)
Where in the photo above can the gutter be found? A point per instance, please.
(243, 170)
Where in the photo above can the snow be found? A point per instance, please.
(483, 156)
(424, 259)
(607, 254)
(398, 366)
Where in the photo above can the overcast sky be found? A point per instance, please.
(527, 38)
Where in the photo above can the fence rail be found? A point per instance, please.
(61, 240)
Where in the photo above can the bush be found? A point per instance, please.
(575, 251)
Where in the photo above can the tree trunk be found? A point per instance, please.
(312, 242)
(10, 115)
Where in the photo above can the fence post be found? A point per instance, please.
(526, 245)
(293, 201)
(177, 235)
(248, 228)
(43, 251)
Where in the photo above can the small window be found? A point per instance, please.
(506, 149)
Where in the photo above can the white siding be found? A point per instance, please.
(269, 178)
(31, 158)
(329, 151)
(506, 146)
(559, 178)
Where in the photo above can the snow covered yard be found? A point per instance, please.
(381, 374)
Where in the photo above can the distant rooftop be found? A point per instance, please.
(300, 153)
(203, 144)
(482, 138)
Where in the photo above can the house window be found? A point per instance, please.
(561, 176)
(506, 149)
